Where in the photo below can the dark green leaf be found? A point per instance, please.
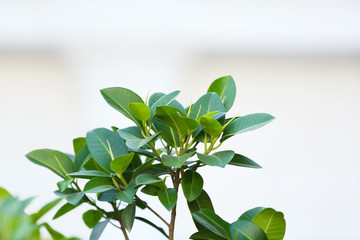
(67, 207)
(56, 161)
(81, 158)
(105, 145)
(219, 159)
(130, 133)
(272, 222)
(98, 230)
(166, 133)
(192, 184)
(209, 102)
(242, 161)
(176, 161)
(36, 216)
(73, 197)
(91, 218)
(119, 164)
(206, 235)
(250, 214)
(140, 110)
(87, 174)
(212, 222)
(128, 216)
(246, 230)
(211, 126)
(153, 225)
(98, 184)
(164, 100)
(151, 190)
(108, 196)
(226, 89)
(201, 202)
(137, 143)
(246, 123)
(120, 98)
(147, 179)
(126, 195)
(64, 184)
(168, 198)
(55, 235)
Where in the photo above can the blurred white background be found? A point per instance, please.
(297, 60)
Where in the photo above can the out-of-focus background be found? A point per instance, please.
(297, 60)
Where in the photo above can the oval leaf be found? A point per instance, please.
(250, 214)
(140, 110)
(98, 230)
(225, 88)
(126, 195)
(73, 197)
(164, 100)
(146, 179)
(242, 161)
(91, 218)
(272, 222)
(87, 174)
(211, 126)
(209, 102)
(192, 184)
(168, 198)
(206, 235)
(67, 207)
(119, 164)
(219, 159)
(176, 161)
(212, 222)
(128, 216)
(98, 184)
(136, 143)
(246, 230)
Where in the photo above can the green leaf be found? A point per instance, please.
(87, 174)
(64, 184)
(206, 235)
(108, 196)
(55, 235)
(219, 159)
(140, 110)
(226, 89)
(242, 161)
(128, 216)
(67, 207)
(4, 193)
(120, 98)
(164, 100)
(104, 146)
(246, 230)
(272, 222)
(98, 184)
(211, 126)
(192, 184)
(166, 133)
(81, 158)
(168, 198)
(91, 218)
(126, 195)
(73, 197)
(153, 225)
(250, 214)
(246, 123)
(36, 216)
(176, 161)
(209, 102)
(78, 144)
(212, 222)
(146, 179)
(98, 230)
(120, 164)
(56, 161)
(130, 133)
(151, 190)
(137, 143)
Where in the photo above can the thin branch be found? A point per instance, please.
(148, 207)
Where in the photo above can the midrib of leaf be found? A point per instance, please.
(219, 226)
(268, 225)
(125, 110)
(192, 183)
(50, 167)
(180, 135)
(57, 160)
(222, 93)
(219, 159)
(167, 196)
(103, 144)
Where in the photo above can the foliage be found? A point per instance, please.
(161, 152)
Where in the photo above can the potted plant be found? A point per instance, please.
(159, 154)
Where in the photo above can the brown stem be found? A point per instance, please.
(148, 207)
(118, 217)
(176, 183)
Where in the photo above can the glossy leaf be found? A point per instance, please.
(209, 102)
(168, 198)
(164, 100)
(206, 235)
(140, 110)
(98, 184)
(108, 196)
(91, 218)
(250, 214)
(81, 158)
(176, 161)
(153, 225)
(246, 230)
(167, 133)
(64, 184)
(36, 216)
(98, 230)
(272, 222)
(203, 201)
(56, 161)
(242, 161)
(147, 179)
(212, 222)
(104, 146)
(219, 159)
(126, 195)
(67, 207)
(87, 174)
(226, 89)
(78, 144)
(120, 98)
(130, 133)
(151, 190)
(246, 123)
(73, 197)
(128, 216)
(192, 184)
(211, 126)
(120, 164)
(137, 143)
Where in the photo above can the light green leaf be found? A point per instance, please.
(226, 89)
(126, 195)
(137, 143)
(211, 126)
(209, 102)
(128, 216)
(67, 207)
(55, 235)
(250, 214)
(98, 184)
(4, 193)
(104, 146)
(98, 230)
(219, 159)
(87, 174)
(206, 235)
(119, 164)
(120, 98)
(56, 161)
(146, 179)
(246, 123)
(168, 198)
(91, 218)
(192, 184)
(73, 197)
(246, 230)
(176, 161)
(212, 222)
(140, 110)
(64, 184)
(272, 222)
(78, 144)
(242, 161)
(36, 216)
